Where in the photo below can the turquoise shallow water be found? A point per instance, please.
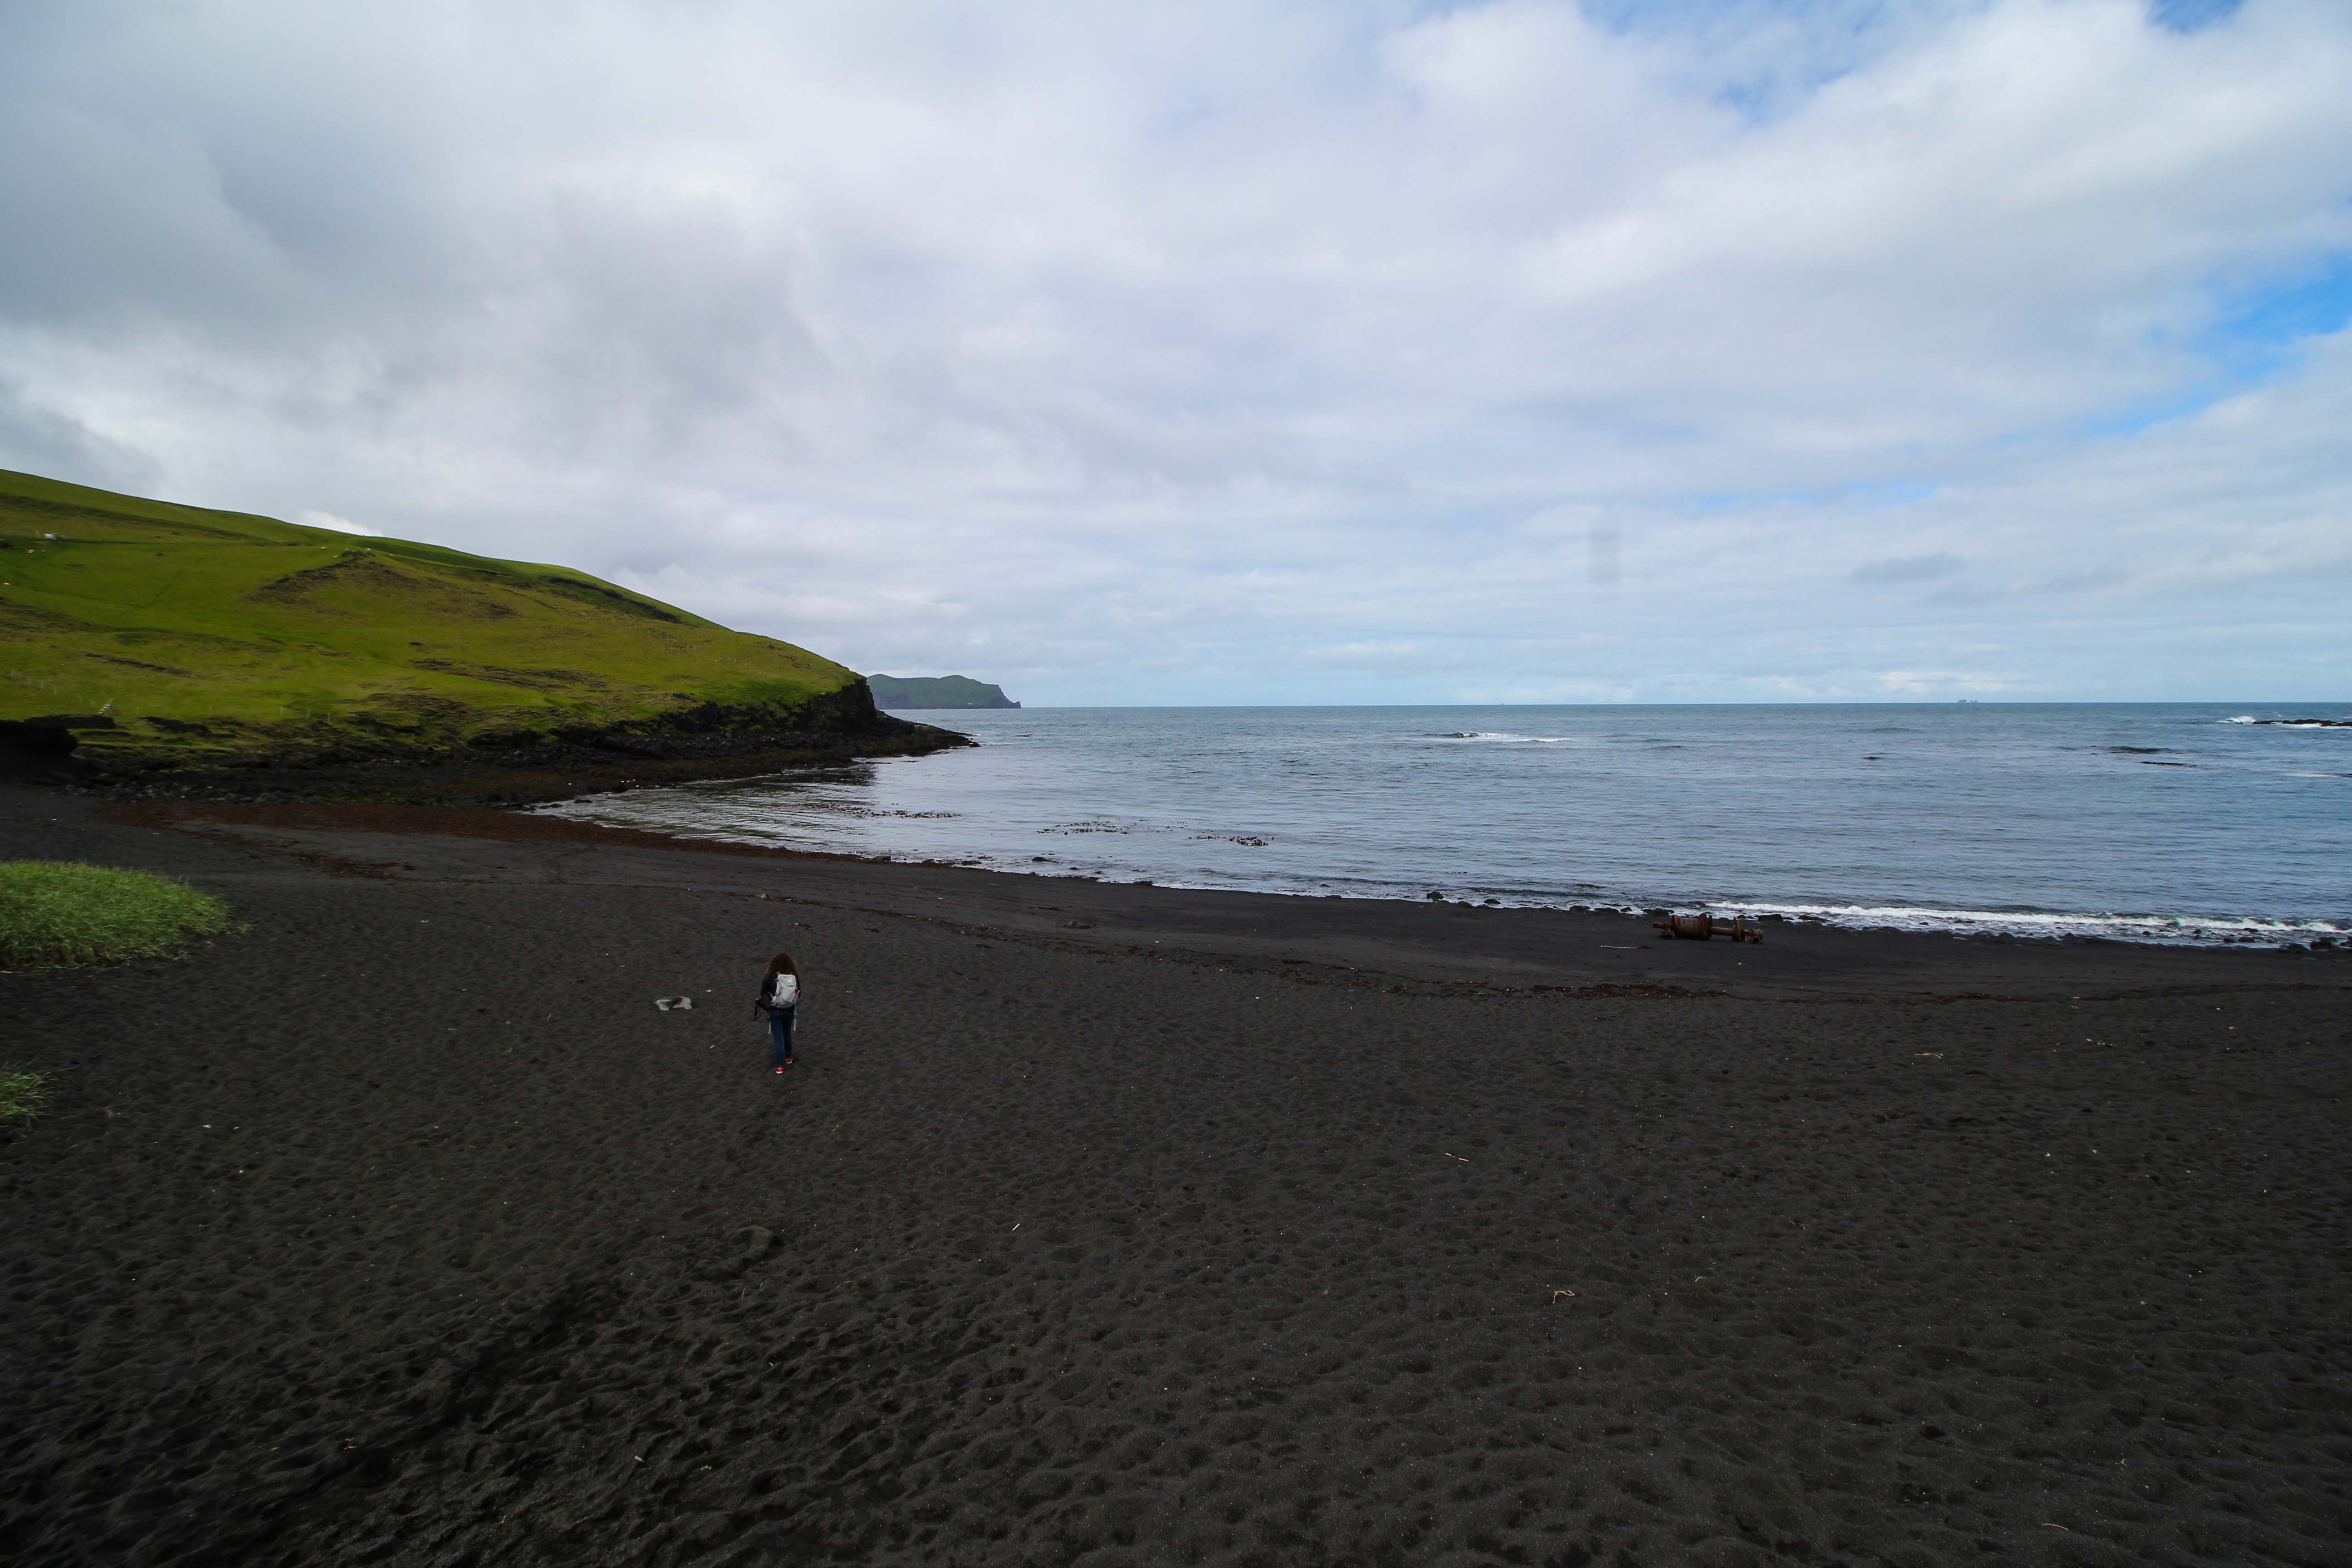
(2149, 822)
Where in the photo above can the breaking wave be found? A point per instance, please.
(1504, 736)
(2187, 931)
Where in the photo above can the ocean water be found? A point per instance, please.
(2144, 822)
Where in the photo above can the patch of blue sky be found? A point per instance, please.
(2254, 335)
(2316, 304)
(1852, 18)
(2191, 16)
(1760, 58)
(1678, 16)
(1756, 100)
(1890, 492)
(1776, 53)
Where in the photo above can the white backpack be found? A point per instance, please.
(786, 992)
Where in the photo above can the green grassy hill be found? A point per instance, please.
(173, 636)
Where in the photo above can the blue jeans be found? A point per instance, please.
(779, 1033)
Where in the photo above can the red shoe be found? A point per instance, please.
(780, 1072)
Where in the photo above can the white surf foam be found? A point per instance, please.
(2187, 930)
(1501, 736)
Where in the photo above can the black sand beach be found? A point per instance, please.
(1114, 1225)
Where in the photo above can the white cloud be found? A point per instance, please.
(1166, 352)
(1910, 568)
(339, 524)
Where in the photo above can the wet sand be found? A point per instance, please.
(1122, 1225)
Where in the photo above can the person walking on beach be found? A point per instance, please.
(780, 999)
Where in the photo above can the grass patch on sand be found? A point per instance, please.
(21, 1094)
(55, 911)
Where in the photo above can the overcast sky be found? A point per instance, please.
(1238, 351)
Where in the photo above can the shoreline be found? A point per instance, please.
(2292, 934)
(1463, 942)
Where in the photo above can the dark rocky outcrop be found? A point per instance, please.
(707, 741)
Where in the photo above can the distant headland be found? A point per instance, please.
(936, 691)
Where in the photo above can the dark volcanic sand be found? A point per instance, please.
(403, 1229)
